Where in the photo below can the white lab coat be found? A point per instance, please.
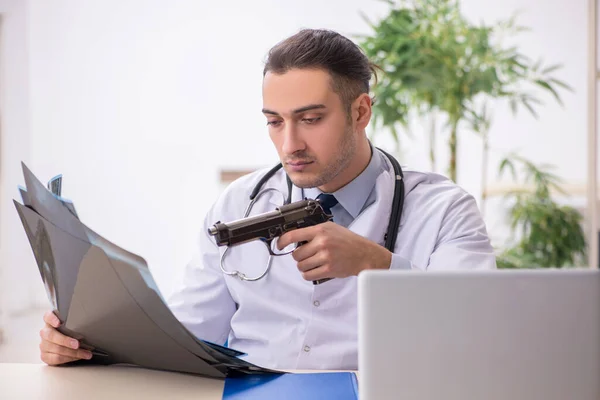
(285, 322)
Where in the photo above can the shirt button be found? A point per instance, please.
(307, 348)
(316, 303)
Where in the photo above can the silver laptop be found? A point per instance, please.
(493, 335)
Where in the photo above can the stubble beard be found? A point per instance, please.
(344, 156)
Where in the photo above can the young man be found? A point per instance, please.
(317, 105)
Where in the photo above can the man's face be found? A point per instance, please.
(308, 125)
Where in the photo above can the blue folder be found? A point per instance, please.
(311, 386)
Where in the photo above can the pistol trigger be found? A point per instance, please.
(268, 243)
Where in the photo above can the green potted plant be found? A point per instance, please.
(436, 64)
(434, 60)
(550, 234)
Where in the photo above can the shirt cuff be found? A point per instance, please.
(400, 262)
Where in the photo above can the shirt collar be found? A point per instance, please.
(354, 195)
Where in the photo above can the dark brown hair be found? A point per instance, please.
(349, 67)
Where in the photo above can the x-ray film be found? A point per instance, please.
(106, 296)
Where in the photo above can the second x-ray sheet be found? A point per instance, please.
(106, 297)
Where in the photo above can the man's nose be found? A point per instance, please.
(292, 141)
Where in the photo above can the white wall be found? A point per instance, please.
(138, 108)
(139, 103)
(20, 285)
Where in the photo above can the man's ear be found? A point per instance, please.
(361, 111)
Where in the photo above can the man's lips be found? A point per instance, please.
(298, 165)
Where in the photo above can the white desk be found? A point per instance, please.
(39, 381)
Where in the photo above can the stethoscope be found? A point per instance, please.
(258, 192)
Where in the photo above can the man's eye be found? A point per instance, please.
(311, 120)
(274, 123)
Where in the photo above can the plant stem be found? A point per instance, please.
(452, 144)
(484, 170)
(432, 133)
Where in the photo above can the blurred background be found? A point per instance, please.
(150, 108)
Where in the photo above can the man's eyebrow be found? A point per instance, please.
(308, 108)
(265, 111)
(298, 110)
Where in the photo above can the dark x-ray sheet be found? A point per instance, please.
(106, 297)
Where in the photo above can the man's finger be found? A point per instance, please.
(305, 251)
(51, 319)
(52, 335)
(311, 262)
(56, 359)
(314, 274)
(49, 347)
(297, 236)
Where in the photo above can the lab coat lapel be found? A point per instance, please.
(276, 198)
(372, 223)
(272, 195)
